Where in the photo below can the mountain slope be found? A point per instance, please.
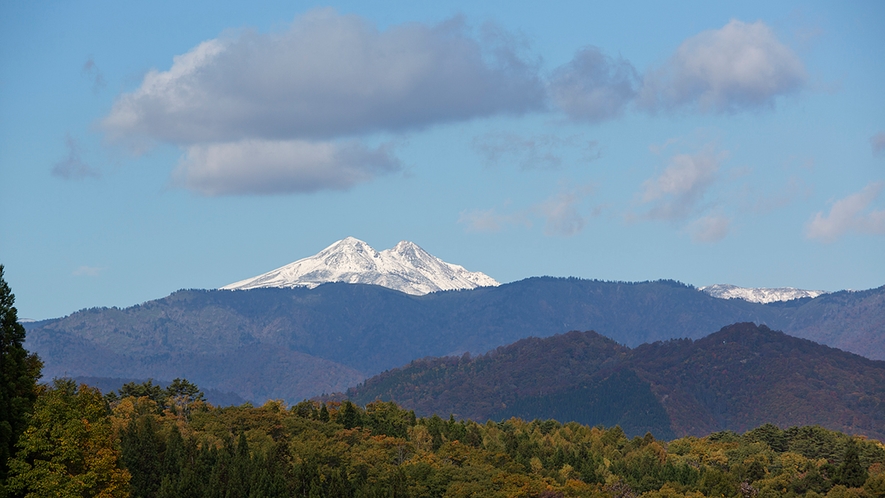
(406, 268)
(359, 330)
(849, 320)
(252, 370)
(746, 375)
(738, 378)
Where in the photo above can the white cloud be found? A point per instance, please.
(740, 66)
(676, 192)
(72, 166)
(849, 215)
(593, 87)
(877, 142)
(280, 167)
(710, 228)
(326, 76)
(532, 152)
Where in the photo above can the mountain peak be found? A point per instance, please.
(759, 294)
(406, 267)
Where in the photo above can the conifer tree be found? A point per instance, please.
(349, 415)
(240, 470)
(851, 473)
(19, 372)
(140, 448)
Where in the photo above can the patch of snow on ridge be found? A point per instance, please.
(405, 267)
(759, 294)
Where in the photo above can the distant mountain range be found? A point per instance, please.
(406, 268)
(736, 379)
(292, 343)
(409, 268)
(759, 294)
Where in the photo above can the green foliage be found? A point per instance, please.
(147, 389)
(179, 396)
(850, 473)
(19, 372)
(346, 450)
(141, 447)
(68, 448)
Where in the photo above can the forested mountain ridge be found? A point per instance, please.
(735, 379)
(297, 343)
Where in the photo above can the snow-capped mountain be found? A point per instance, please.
(406, 268)
(759, 294)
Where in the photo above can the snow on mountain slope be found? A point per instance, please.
(759, 294)
(406, 268)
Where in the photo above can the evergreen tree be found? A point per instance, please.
(349, 415)
(174, 457)
(851, 473)
(146, 389)
(19, 372)
(140, 448)
(240, 476)
(181, 396)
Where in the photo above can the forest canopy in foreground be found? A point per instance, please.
(169, 443)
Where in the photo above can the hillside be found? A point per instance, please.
(299, 342)
(180, 447)
(735, 379)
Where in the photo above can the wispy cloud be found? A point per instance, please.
(738, 67)
(849, 215)
(675, 193)
(91, 71)
(709, 228)
(491, 220)
(72, 166)
(88, 271)
(752, 201)
(877, 142)
(532, 152)
(562, 214)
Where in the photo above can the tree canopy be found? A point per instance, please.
(79, 445)
(19, 372)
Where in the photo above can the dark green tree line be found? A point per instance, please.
(19, 372)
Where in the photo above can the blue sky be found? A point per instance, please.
(149, 148)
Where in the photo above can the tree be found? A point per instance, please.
(19, 372)
(68, 447)
(148, 389)
(349, 415)
(140, 447)
(851, 473)
(182, 394)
